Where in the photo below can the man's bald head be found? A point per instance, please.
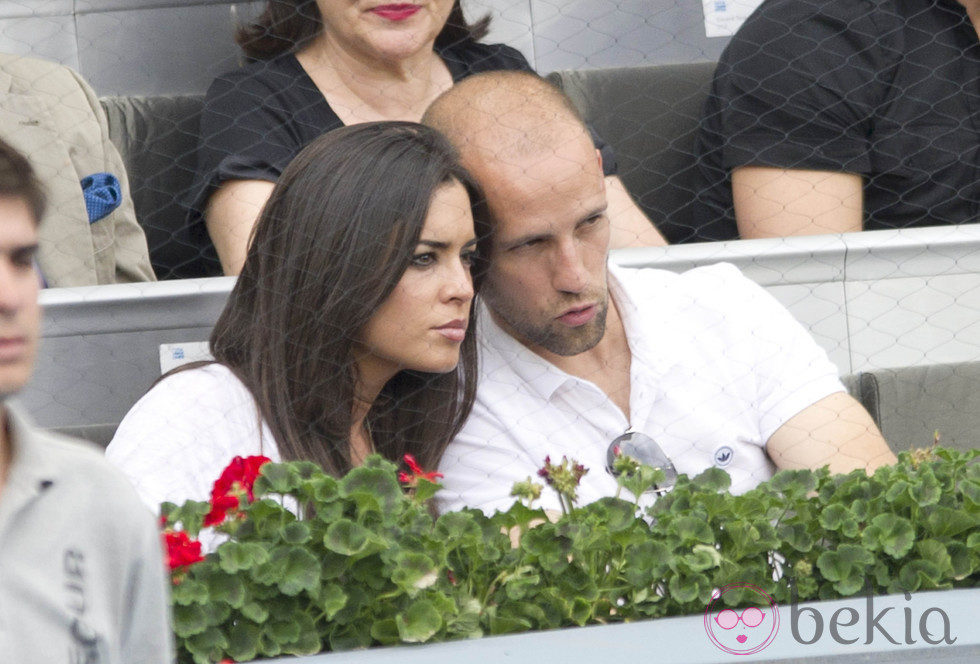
(505, 116)
(542, 181)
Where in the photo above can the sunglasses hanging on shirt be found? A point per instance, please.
(644, 449)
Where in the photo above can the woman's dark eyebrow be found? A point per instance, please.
(436, 244)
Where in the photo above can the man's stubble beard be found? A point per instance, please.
(552, 336)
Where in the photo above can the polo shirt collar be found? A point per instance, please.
(30, 468)
(540, 376)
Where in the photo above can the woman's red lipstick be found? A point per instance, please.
(398, 12)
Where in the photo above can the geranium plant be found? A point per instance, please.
(310, 562)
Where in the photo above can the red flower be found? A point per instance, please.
(244, 471)
(181, 550)
(220, 506)
(236, 480)
(417, 472)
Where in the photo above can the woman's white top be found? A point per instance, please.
(174, 443)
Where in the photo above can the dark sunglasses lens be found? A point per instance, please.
(644, 449)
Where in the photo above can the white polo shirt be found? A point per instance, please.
(717, 366)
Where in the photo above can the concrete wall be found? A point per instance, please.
(171, 46)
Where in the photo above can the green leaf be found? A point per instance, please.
(576, 581)
(350, 539)
(331, 599)
(227, 588)
(385, 631)
(845, 567)
(234, 556)
(832, 517)
(646, 562)
(457, 529)
(550, 549)
(928, 490)
(189, 620)
(960, 560)
(713, 479)
(324, 489)
(506, 624)
(520, 582)
(797, 536)
(255, 612)
(945, 522)
(272, 571)
(919, 574)
(350, 636)
(971, 491)
(308, 642)
(212, 642)
(419, 623)
(268, 646)
(373, 489)
(794, 482)
(424, 490)
(683, 589)
(413, 572)
(692, 529)
(936, 553)
(282, 631)
(517, 514)
(190, 515)
(281, 478)
(296, 532)
(618, 515)
(890, 533)
(189, 591)
(301, 571)
(901, 494)
(243, 641)
(581, 611)
(702, 557)
(467, 623)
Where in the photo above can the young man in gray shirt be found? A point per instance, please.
(81, 570)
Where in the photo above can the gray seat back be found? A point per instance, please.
(650, 116)
(910, 404)
(157, 137)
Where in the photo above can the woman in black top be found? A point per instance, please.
(321, 64)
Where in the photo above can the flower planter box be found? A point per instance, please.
(365, 564)
(685, 639)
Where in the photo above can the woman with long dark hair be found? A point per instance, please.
(320, 64)
(346, 332)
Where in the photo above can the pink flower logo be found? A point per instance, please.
(745, 630)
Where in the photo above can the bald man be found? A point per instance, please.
(578, 356)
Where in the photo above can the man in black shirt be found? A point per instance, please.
(829, 116)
